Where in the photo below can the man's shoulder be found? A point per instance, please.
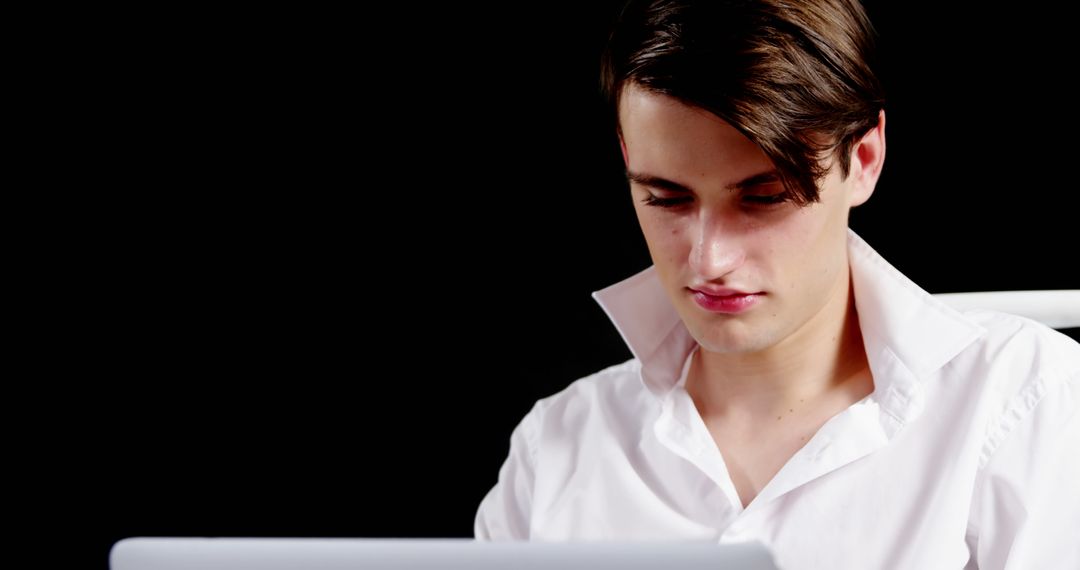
(616, 392)
(1016, 365)
(617, 384)
(1025, 378)
(1022, 345)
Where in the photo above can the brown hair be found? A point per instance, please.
(793, 76)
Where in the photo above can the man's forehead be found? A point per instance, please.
(688, 145)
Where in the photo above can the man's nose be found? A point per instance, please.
(717, 250)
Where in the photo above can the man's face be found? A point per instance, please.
(721, 233)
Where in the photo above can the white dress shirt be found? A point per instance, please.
(964, 456)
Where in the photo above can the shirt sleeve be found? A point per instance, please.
(1026, 505)
(505, 511)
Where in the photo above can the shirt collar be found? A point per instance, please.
(907, 332)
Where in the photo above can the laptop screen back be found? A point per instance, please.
(428, 554)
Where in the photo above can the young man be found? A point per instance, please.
(788, 385)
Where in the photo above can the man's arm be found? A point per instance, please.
(505, 511)
(1026, 506)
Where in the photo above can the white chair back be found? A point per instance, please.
(1057, 309)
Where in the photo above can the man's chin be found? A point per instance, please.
(731, 338)
(730, 347)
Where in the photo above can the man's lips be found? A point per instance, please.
(727, 300)
(721, 291)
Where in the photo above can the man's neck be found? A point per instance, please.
(823, 357)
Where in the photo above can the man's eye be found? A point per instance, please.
(753, 199)
(767, 199)
(651, 200)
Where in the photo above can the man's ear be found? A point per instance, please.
(867, 159)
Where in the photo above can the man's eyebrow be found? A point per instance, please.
(671, 186)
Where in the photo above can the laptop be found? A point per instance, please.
(428, 554)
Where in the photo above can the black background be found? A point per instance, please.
(346, 252)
